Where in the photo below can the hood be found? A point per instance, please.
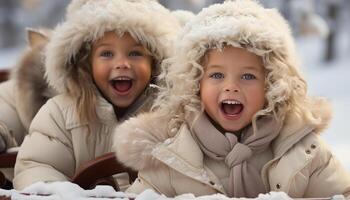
(87, 20)
(32, 87)
(183, 16)
(135, 139)
(242, 24)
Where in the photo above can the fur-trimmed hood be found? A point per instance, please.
(243, 24)
(183, 16)
(87, 20)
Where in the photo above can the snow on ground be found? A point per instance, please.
(330, 80)
(70, 191)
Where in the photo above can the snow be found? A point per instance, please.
(330, 80)
(65, 190)
(70, 191)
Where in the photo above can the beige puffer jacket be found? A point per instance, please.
(58, 143)
(12, 130)
(25, 92)
(171, 162)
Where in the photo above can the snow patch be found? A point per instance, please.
(70, 191)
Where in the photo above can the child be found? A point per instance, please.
(235, 118)
(24, 93)
(27, 86)
(102, 60)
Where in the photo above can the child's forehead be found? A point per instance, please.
(231, 55)
(112, 37)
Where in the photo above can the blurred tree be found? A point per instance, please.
(8, 26)
(333, 10)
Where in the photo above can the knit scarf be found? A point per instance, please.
(244, 179)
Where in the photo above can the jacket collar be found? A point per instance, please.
(182, 154)
(294, 129)
(105, 110)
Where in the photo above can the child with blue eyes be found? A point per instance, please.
(235, 117)
(102, 60)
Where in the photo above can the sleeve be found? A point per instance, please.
(329, 177)
(11, 128)
(46, 153)
(156, 178)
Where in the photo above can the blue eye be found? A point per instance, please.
(107, 54)
(248, 77)
(217, 75)
(135, 53)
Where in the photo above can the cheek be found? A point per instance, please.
(257, 98)
(99, 71)
(145, 71)
(208, 95)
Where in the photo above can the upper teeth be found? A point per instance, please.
(122, 78)
(231, 102)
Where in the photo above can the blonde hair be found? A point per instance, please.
(87, 21)
(286, 89)
(83, 88)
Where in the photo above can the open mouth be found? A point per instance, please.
(231, 107)
(122, 84)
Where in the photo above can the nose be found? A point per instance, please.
(122, 63)
(231, 86)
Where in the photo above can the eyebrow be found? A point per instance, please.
(254, 68)
(214, 66)
(108, 44)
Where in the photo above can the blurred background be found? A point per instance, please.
(321, 29)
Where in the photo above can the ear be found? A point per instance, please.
(36, 38)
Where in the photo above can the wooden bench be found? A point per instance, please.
(98, 171)
(4, 74)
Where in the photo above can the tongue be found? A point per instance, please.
(232, 109)
(122, 86)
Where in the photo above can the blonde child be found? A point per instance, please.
(101, 60)
(235, 117)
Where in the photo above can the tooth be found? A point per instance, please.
(122, 78)
(231, 102)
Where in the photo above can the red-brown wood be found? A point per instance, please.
(4, 74)
(7, 160)
(99, 172)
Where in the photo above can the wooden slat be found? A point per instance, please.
(4, 74)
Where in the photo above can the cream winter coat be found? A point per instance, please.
(160, 145)
(58, 142)
(171, 162)
(26, 91)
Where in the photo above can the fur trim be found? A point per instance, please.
(136, 138)
(321, 110)
(242, 24)
(32, 87)
(237, 23)
(88, 20)
(183, 16)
